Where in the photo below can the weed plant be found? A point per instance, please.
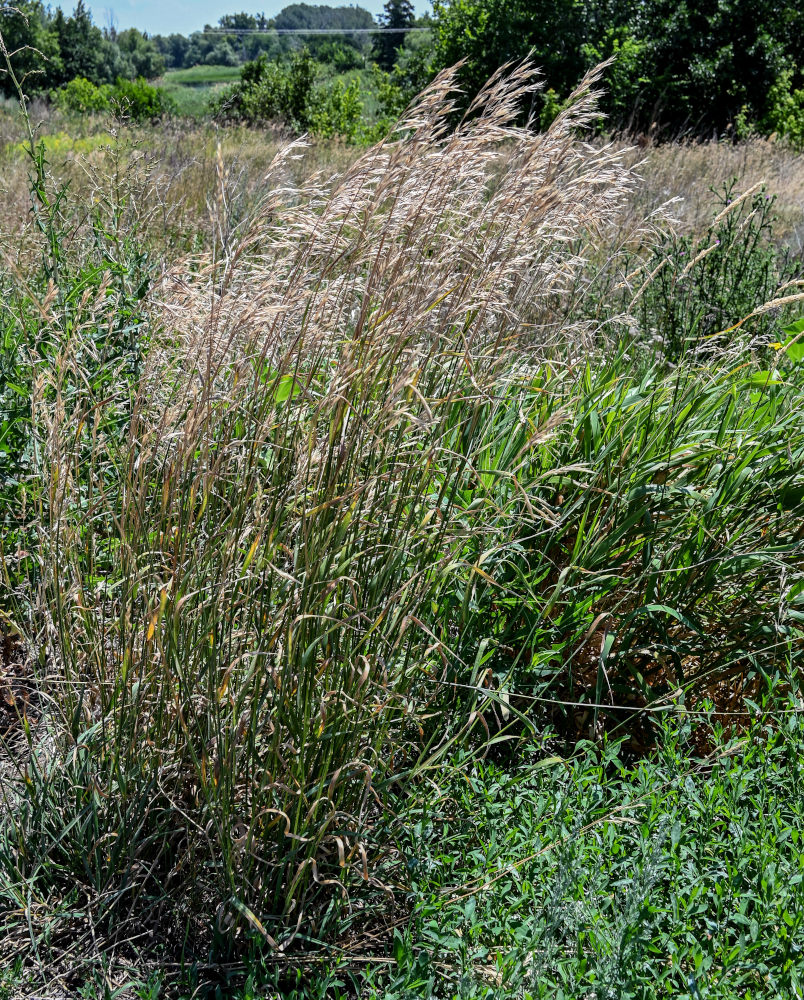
(237, 560)
(698, 286)
(659, 553)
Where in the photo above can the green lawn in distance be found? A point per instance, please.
(192, 88)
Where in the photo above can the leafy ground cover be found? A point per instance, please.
(595, 876)
(403, 588)
(582, 875)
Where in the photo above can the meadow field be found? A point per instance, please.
(403, 561)
(191, 89)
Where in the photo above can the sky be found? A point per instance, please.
(161, 17)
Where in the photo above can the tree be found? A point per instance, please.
(705, 62)
(223, 54)
(396, 14)
(84, 51)
(238, 22)
(299, 16)
(490, 33)
(29, 36)
(173, 49)
(694, 66)
(141, 54)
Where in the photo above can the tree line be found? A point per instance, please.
(73, 48)
(680, 67)
(697, 67)
(224, 45)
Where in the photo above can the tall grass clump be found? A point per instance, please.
(658, 560)
(243, 547)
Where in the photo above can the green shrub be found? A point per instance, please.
(288, 92)
(139, 101)
(134, 99)
(703, 286)
(81, 96)
(337, 110)
(340, 56)
(785, 114)
(270, 90)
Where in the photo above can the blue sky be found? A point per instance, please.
(164, 16)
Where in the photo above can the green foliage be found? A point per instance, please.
(342, 58)
(273, 90)
(338, 110)
(136, 100)
(16, 450)
(320, 16)
(26, 32)
(487, 34)
(792, 341)
(681, 875)
(396, 14)
(240, 22)
(687, 305)
(139, 101)
(550, 109)
(677, 554)
(785, 115)
(52, 49)
(173, 49)
(680, 67)
(289, 92)
(93, 298)
(413, 69)
(342, 50)
(84, 51)
(81, 96)
(701, 65)
(624, 79)
(140, 54)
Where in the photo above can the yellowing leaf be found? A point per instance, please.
(251, 552)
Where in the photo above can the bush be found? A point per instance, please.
(270, 90)
(134, 99)
(81, 96)
(342, 57)
(337, 110)
(288, 92)
(139, 101)
(785, 116)
(702, 286)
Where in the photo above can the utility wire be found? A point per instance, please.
(310, 31)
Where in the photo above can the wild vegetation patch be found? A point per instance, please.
(410, 571)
